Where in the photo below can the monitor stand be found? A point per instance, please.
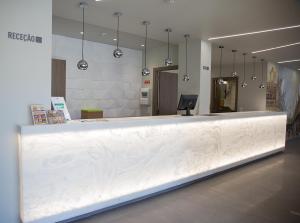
(188, 112)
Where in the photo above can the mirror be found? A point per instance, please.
(224, 97)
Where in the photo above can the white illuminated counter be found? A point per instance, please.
(72, 169)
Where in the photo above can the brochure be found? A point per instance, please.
(39, 114)
(56, 117)
(59, 103)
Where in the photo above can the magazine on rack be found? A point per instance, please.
(39, 114)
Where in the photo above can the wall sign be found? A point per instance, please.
(147, 82)
(205, 67)
(25, 37)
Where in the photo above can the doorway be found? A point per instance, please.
(165, 90)
(58, 78)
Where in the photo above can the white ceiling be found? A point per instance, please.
(202, 19)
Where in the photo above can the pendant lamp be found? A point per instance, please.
(168, 61)
(221, 80)
(253, 76)
(118, 52)
(261, 86)
(244, 83)
(186, 76)
(82, 64)
(234, 73)
(146, 71)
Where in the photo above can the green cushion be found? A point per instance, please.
(91, 110)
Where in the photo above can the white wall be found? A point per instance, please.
(199, 55)
(251, 98)
(205, 78)
(25, 78)
(110, 84)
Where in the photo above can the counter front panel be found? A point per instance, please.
(73, 169)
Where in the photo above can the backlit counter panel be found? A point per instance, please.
(73, 169)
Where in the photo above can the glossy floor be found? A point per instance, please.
(267, 191)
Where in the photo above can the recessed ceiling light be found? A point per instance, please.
(142, 45)
(81, 33)
(255, 32)
(289, 61)
(275, 48)
(170, 1)
(98, 0)
(115, 39)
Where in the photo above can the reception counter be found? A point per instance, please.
(76, 168)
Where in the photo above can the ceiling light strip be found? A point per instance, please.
(289, 61)
(252, 33)
(275, 48)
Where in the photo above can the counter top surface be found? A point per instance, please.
(146, 120)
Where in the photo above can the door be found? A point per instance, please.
(167, 93)
(58, 78)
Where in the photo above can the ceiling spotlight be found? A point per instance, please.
(289, 61)
(142, 45)
(81, 33)
(275, 48)
(252, 33)
(170, 1)
(98, 0)
(118, 52)
(115, 39)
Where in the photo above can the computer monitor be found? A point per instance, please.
(188, 103)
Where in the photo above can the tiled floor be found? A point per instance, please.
(267, 191)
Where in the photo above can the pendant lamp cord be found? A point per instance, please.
(244, 66)
(146, 45)
(118, 32)
(262, 71)
(186, 55)
(254, 65)
(221, 62)
(168, 43)
(234, 60)
(82, 37)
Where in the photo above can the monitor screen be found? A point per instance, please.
(187, 102)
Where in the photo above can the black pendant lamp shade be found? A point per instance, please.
(234, 72)
(244, 83)
(118, 52)
(168, 61)
(145, 70)
(261, 86)
(82, 64)
(253, 76)
(221, 80)
(186, 76)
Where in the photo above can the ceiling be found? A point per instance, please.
(202, 19)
